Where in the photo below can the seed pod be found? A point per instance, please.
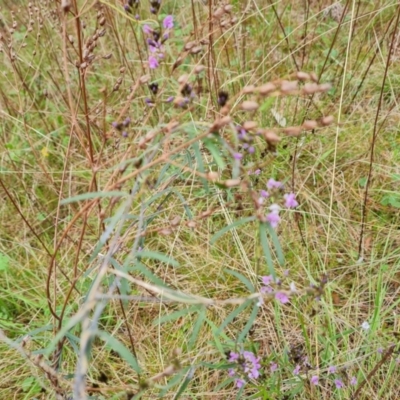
(292, 130)
(144, 79)
(325, 121)
(231, 182)
(102, 21)
(271, 137)
(266, 89)
(198, 69)
(302, 76)
(288, 87)
(248, 89)
(213, 176)
(324, 87)
(189, 45)
(183, 79)
(219, 12)
(309, 125)
(250, 125)
(196, 50)
(249, 105)
(310, 88)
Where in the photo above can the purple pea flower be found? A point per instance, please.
(282, 297)
(314, 380)
(240, 383)
(264, 194)
(168, 22)
(273, 367)
(257, 172)
(233, 357)
(273, 218)
(153, 62)
(238, 156)
(332, 369)
(251, 149)
(339, 384)
(273, 184)
(296, 371)
(353, 381)
(147, 29)
(290, 200)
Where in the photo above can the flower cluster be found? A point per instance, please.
(155, 41)
(121, 126)
(248, 363)
(339, 384)
(130, 5)
(281, 296)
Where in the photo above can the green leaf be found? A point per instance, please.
(174, 315)
(197, 327)
(277, 245)
(120, 348)
(215, 152)
(232, 316)
(158, 256)
(265, 247)
(231, 226)
(249, 324)
(4, 261)
(242, 278)
(93, 195)
(185, 383)
(148, 274)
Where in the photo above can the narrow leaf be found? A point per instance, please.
(158, 256)
(242, 278)
(277, 245)
(265, 247)
(249, 324)
(231, 226)
(93, 195)
(120, 348)
(232, 316)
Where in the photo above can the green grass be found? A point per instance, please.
(57, 143)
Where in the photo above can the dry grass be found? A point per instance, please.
(57, 142)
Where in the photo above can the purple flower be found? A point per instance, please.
(339, 384)
(290, 200)
(296, 370)
(231, 372)
(233, 357)
(245, 145)
(273, 184)
(147, 29)
(264, 194)
(170, 99)
(168, 22)
(282, 297)
(273, 218)
(267, 280)
(125, 134)
(353, 381)
(257, 172)
(153, 62)
(238, 156)
(273, 367)
(314, 380)
(332, 369)
(251, 149)
(240, 383)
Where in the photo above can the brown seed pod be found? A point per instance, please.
(249, 105)
(309, 125)
(292, 130)
(266, 89)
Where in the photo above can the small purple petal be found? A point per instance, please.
(153, 62)
(267, 280)
(147, 29)
(339, 384)
(240, 383)
(314, 380)
(273, 218)
(332, 369)
(296, 371)
(273, 184)
(282, 297)
(290, 200)
(353, 381)
(233, 357)
(168, 22)
(273, 367)
(264, 194)
(251, 150)
(257, 172)
(238, 156)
